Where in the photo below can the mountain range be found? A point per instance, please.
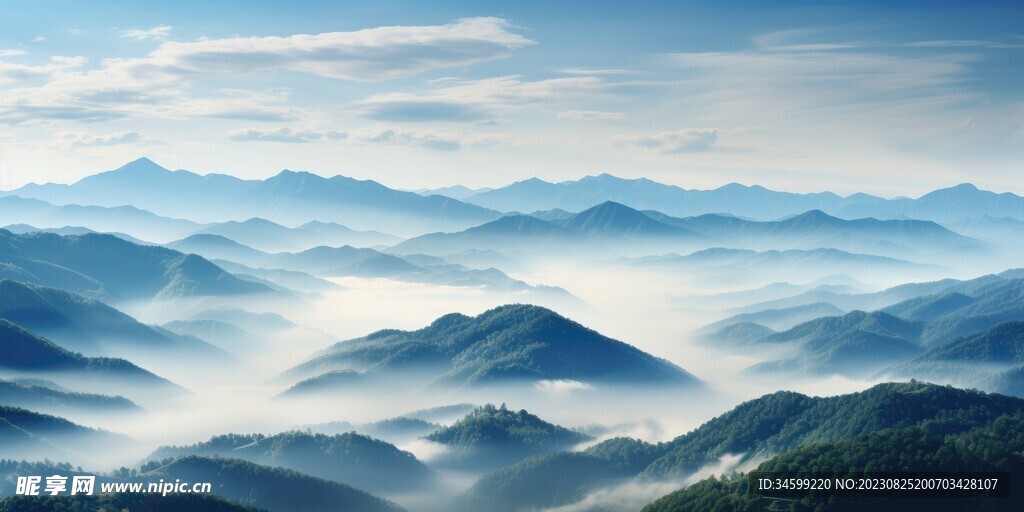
(106, 266)
(754, 202)
(290, 197)
(90, 326)
(347, 261)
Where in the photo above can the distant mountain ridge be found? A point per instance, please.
(289, 197)
(755, 202)
(106, 266)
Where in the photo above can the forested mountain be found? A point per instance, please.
(270, 488)
(27, 353)
(491, 437)
(349, 458)
(123, 501)
(857, 343)
(30, 435)
(762, 428)
(995, 446)
(513, 343)
(56, 401)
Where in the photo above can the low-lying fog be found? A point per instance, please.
(654, 311)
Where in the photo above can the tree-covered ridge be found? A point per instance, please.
(995, 446)
(989, 360)
(26, 434)
(272, 488)
(349, 458)
(1001, 344)
(508, 343)
(47, 399)
(129, 502)
(559, 478)
(495, 436)
(782, 421)
(25, 351)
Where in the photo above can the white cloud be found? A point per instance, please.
(367, 55)
(74, 140)
(159, 84)
(441, 141)
(75, 31)
(477, 100)
(561, 386)
(593, 72)
(38, 39)
(679, 141)
(279, 135)
(591, 115)
(148, 34)
(15, 72)
(11, 53)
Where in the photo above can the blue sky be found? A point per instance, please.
(884, 97)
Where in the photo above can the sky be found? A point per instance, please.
(891, 98)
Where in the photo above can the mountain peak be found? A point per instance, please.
(141, 165)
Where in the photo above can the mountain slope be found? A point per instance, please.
(782, 421)
(120, 269)
(348, 458)
(513, 343)
(273, 489)
(995, 446)
(857, 343)
(88, 325)
(613, 219)
(509, 233)
(491, 437)
(53, 401)
(30, 435)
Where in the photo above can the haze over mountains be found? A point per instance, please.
(219, 326)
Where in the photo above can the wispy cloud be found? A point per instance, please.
(159, 84)
(75, 140)
(368, 55)
(680, 141)
(440, 141)
(14, 72)
(593, 72)
(283, 135)
(11, 53)
(591, 115)
(148, 34)
(474, 101)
